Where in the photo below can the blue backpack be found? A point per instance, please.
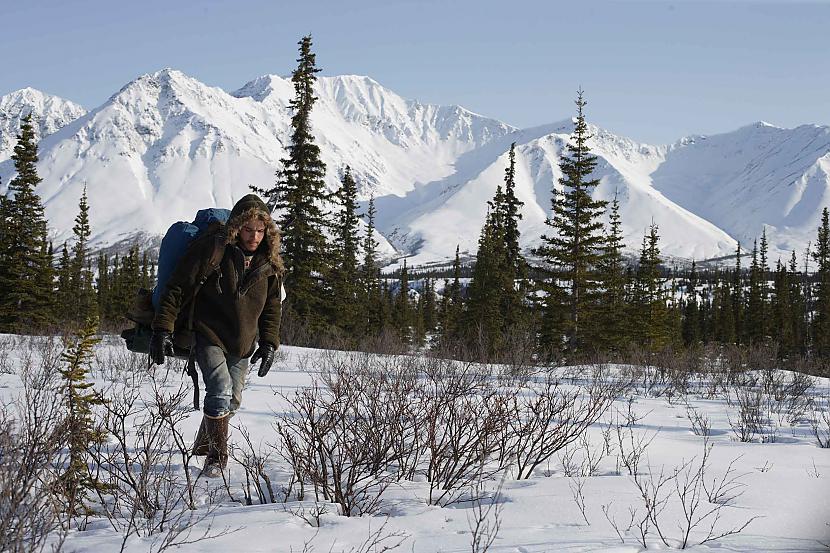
(177, 239)
(173, 246)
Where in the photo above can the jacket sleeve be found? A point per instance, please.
(179, 289)
(269, 320)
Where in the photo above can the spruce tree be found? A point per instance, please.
(756, 302)
(723, 312)
(28, 280)
(799, 307)
(514, 311)
(691, 310)
(79, 399)
(782, 309)
(65, 293)
(491, 280)
(83, 302)
(821, 302)
(452, 306)
(346, 309)
(299, 197)
(738, 297)
(371, 296)
(651, 317)
(574, 251)
(402, 316)
(610, 331)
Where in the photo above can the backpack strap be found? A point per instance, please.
(216, 254)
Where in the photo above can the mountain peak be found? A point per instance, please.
(49, 112)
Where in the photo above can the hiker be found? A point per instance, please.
(236, 311)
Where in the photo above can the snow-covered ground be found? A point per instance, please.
(778, 481)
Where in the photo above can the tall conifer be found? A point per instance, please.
(299, 197)
(574, 251)
(821, 302)
(28, 281)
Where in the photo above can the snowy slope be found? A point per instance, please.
(757, 175)
(49, 112)
(781, 476)
(166, 145)
(455, 210)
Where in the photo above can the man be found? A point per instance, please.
(237, 306)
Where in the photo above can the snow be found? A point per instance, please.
(166, 145)
(49, 114)
(785, 481)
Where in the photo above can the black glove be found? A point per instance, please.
(161, 344)
(266, 352)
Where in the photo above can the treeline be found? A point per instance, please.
(43, 291)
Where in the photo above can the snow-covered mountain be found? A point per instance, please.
(755, 177)
(167, 144)
(49, 112)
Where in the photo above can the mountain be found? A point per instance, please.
(434, 219)
(49, 112)
(166, 144)
(759, 176)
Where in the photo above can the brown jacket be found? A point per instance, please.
(230, 309)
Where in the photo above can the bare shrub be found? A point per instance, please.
(337, 438)
(748, 422)
(700, 423)
(820, 421)
(484, 521)
(144, 493)
(685, 486)
(550, 416)
(464, 421)
(31, 458)
(254, 461)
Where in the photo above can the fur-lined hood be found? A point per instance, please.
(250, 208)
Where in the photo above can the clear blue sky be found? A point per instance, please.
(653, 71)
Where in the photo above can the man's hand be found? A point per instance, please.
(161, 344)
(266, 352)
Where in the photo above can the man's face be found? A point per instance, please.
(251, 234)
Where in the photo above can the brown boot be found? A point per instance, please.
(200, 445)
(217, 456)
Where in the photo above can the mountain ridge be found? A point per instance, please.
(165, 144)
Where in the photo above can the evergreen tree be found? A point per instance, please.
(429, 305)
(402, 317)
(299, 196)
(5, 250)
(575, 250)
(371, 296)
(691, 311)
(756, 306)
(65, 293)
(799, 308)
(821, 302)
(782, 309)
(738, 297)
(514, 312)
(346, 308)
(79, 399)
(452, 306)
(28, 280)
(723, 313)
(491, 281)
(610, 332)
(83, 305)
(651, 316)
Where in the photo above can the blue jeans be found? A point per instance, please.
(224, 377)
